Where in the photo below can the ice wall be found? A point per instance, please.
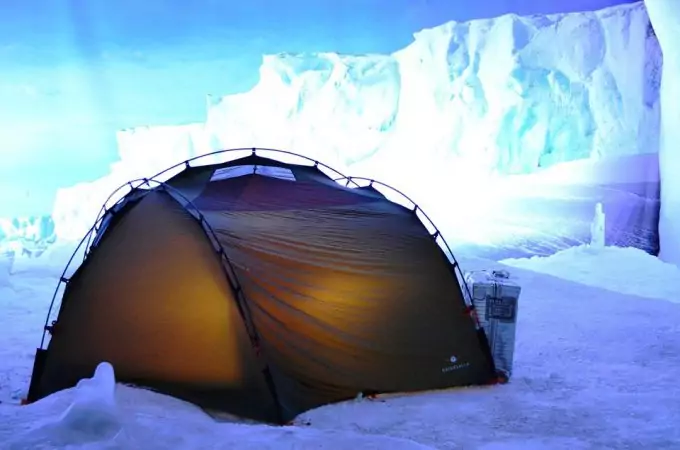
(504, 95)
(511, 93)
(665, 17)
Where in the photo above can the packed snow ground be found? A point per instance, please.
(596, 367)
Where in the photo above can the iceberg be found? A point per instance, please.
(465, 103)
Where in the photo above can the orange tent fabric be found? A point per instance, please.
(264, 289)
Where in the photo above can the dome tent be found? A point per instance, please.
(263, 289)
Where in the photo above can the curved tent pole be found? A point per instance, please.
(104, 209)
(138, 183)
(141, 181)
(187, 164)
(63, 279)
(253, 151)
(134, 185)
(455, 266)
(87, 237)
(227, 265)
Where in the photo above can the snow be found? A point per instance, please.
(598, 341)
(91, 417)
(137, 419)
(596, 366)
(463, 102)
(665, 17)
(617, 269)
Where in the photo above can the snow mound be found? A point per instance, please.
(91, 418)
(610, 268)
(94, 408)
(138, 419)
(505, 95)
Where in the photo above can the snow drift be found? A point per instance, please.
(509, 95)
(102, 415)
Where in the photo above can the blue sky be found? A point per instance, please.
(74, 71)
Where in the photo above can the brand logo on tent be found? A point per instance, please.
(455, 365)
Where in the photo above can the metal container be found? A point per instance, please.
(495, 297)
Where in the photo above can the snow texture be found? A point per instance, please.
(665, 17)
(594, 368)
(598, 340)
(504, 95)
(92, 417)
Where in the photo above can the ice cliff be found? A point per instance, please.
(504, 95)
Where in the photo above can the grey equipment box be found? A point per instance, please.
(495, 297)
